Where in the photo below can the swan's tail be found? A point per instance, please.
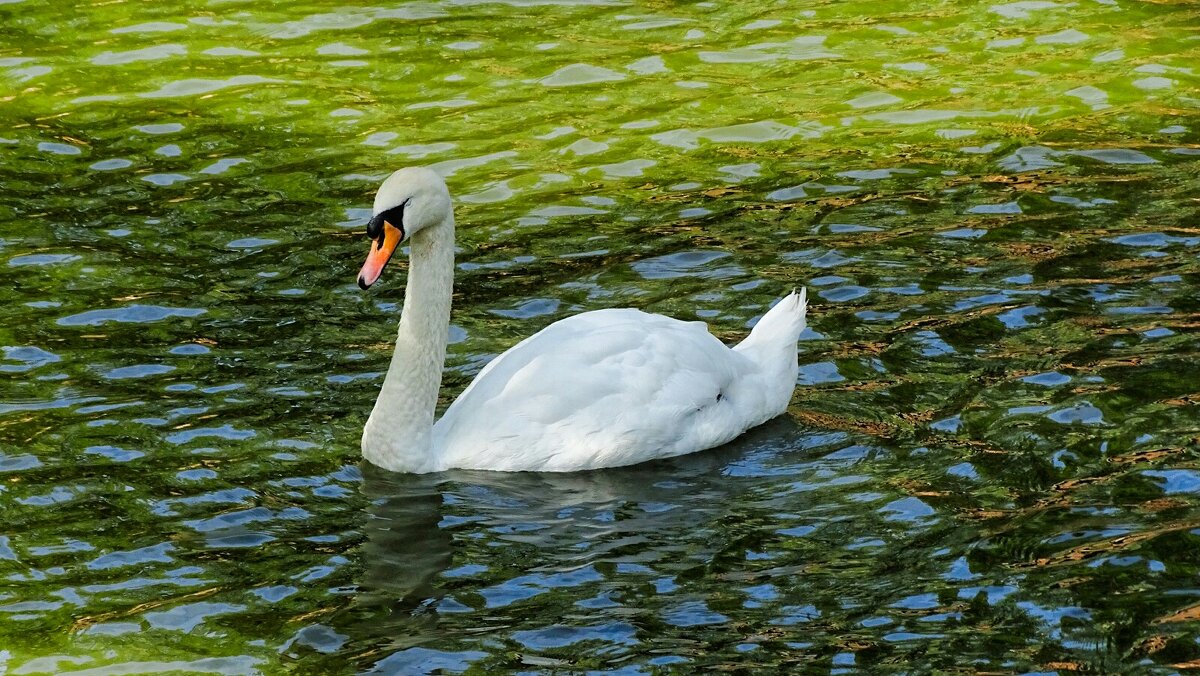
(781, 326)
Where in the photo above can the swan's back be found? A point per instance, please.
(598, 389)
(604, 389)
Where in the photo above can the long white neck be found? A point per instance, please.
(398, 433)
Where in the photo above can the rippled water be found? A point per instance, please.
(991, 462)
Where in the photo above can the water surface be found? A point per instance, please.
(991, 462)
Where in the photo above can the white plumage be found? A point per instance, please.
(599, 389)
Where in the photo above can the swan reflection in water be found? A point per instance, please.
(478, 534)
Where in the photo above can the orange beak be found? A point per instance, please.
(379, 255)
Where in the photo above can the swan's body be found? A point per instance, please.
(599, 389)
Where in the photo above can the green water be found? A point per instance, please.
(991, 461)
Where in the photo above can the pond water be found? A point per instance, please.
(990, 463)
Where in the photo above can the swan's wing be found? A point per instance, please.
(599, 389)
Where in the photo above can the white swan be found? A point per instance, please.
(599, 389)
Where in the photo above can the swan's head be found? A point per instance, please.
(409, 201)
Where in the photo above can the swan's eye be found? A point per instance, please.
(395, 216)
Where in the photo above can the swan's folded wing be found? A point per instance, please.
(599, 389)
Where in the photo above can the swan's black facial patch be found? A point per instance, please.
(395, 216)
